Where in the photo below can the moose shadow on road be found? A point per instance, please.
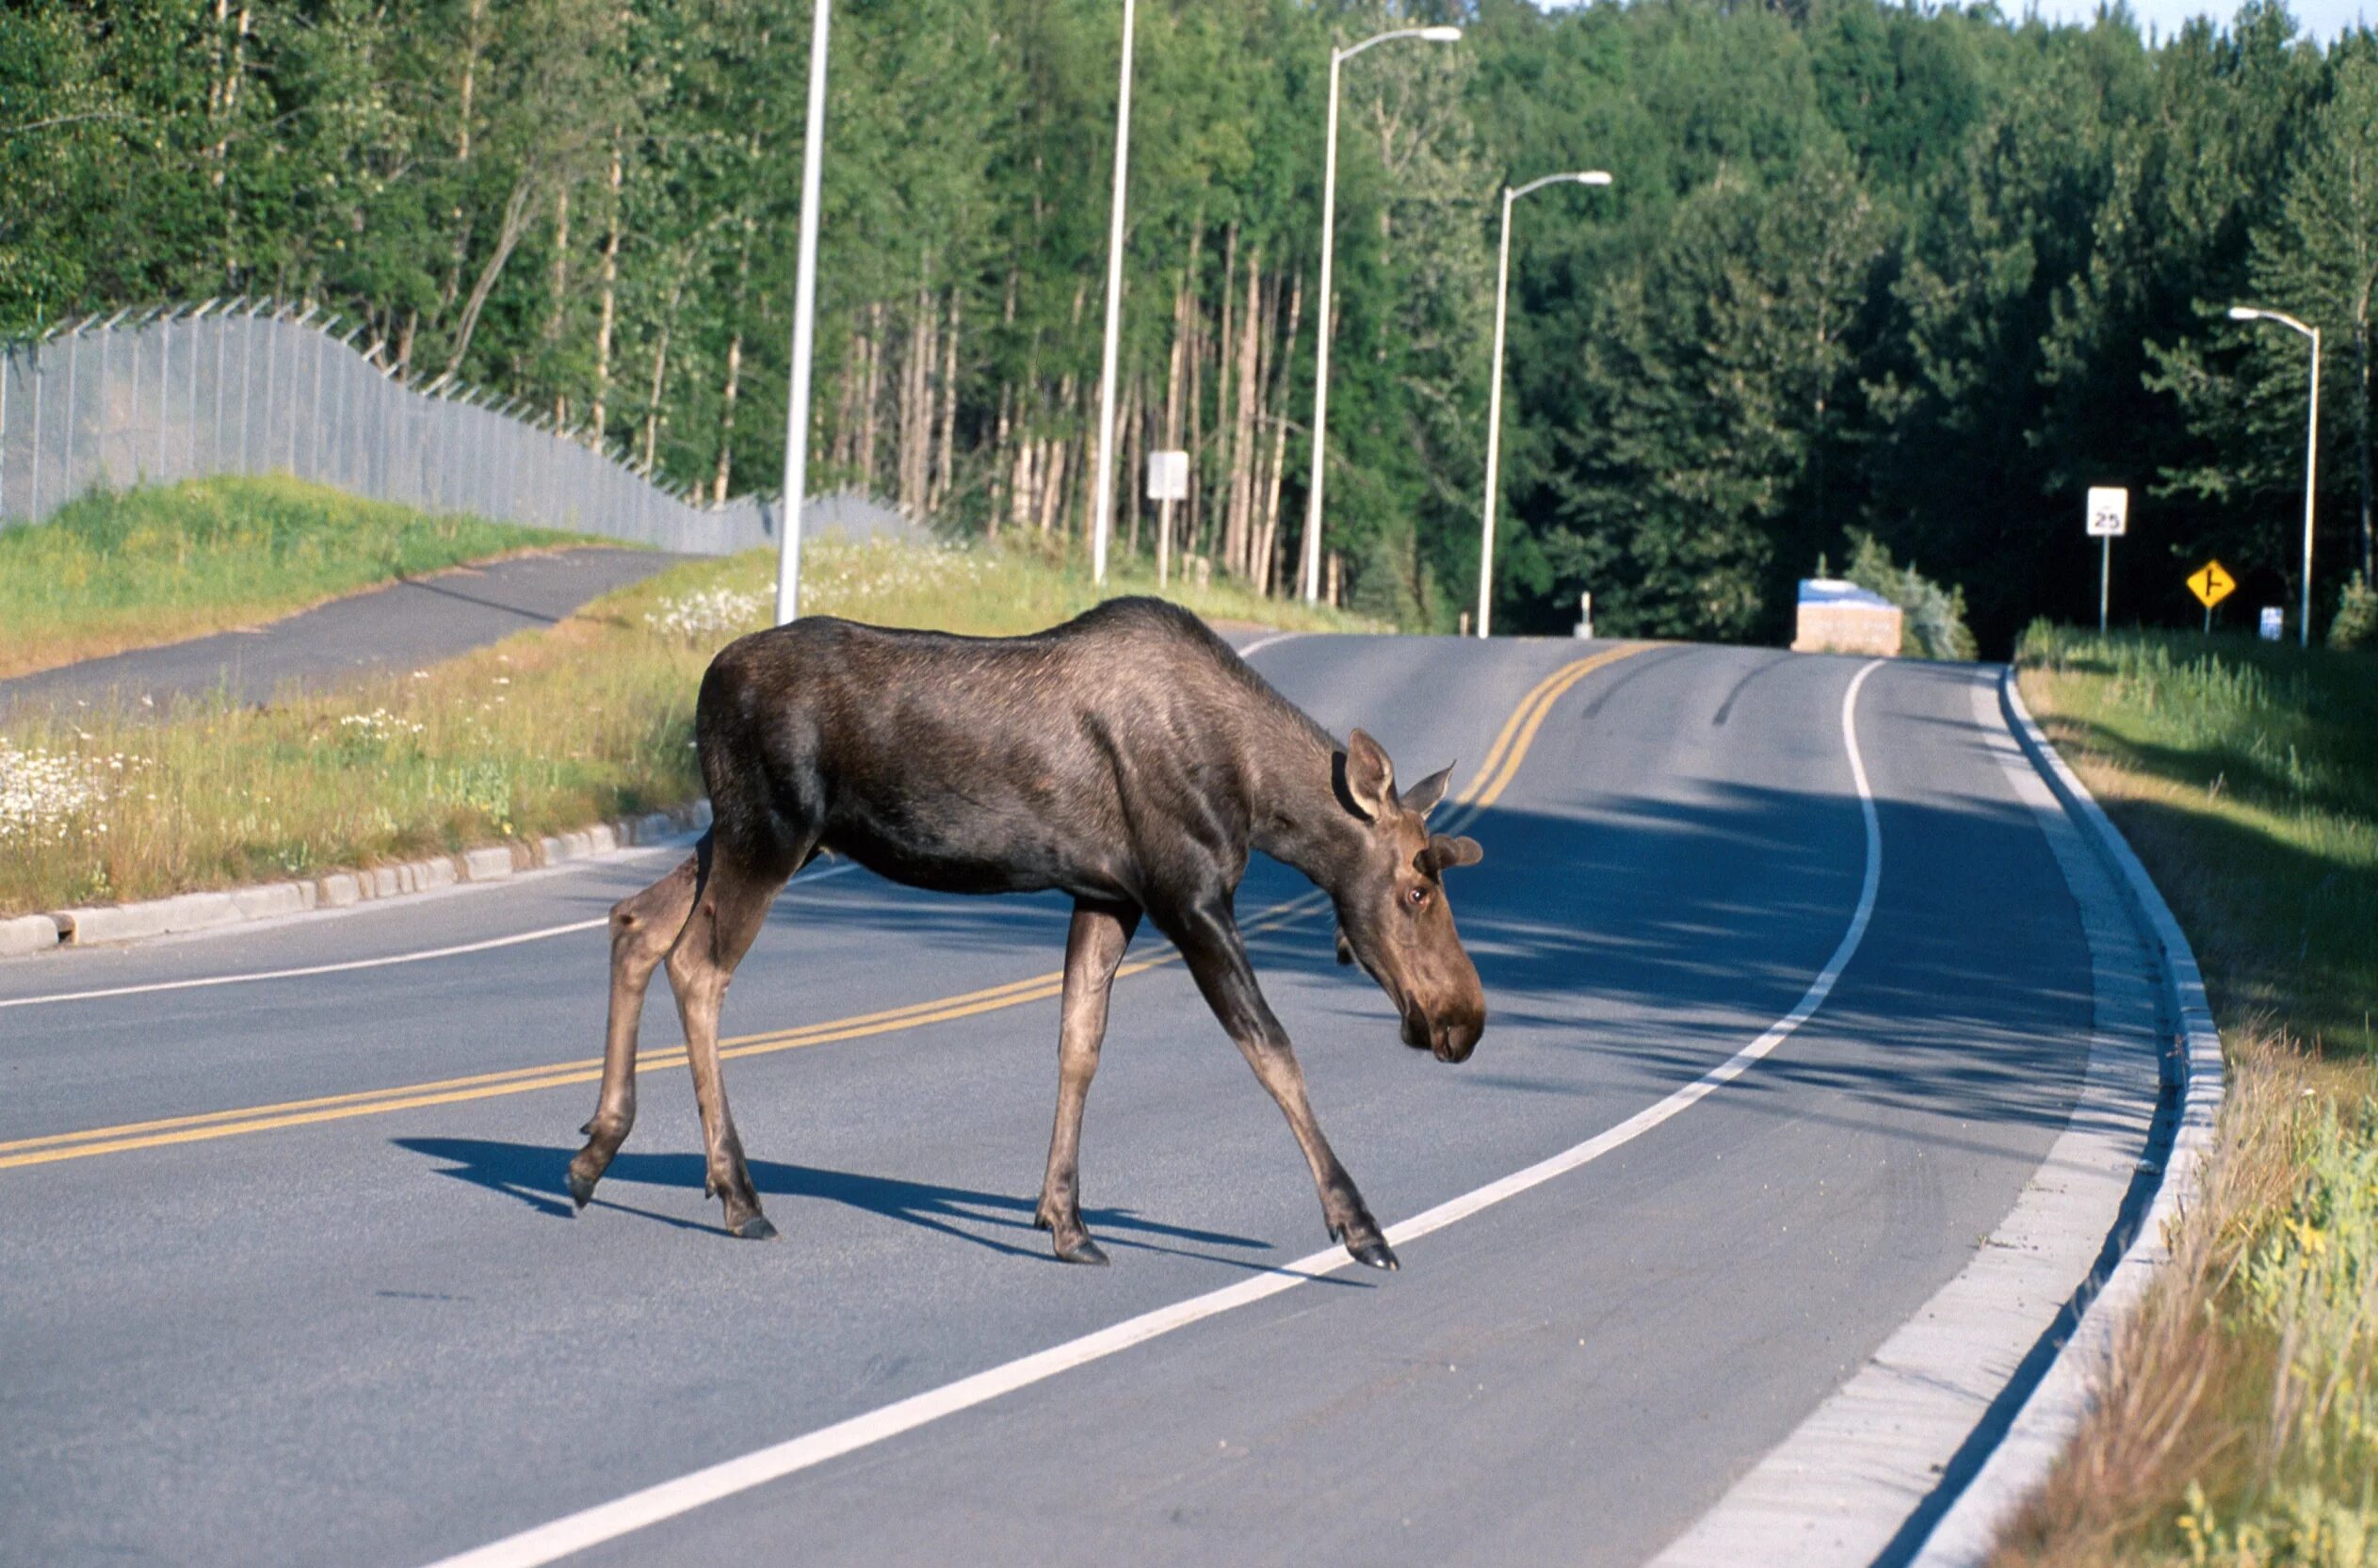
(533, 1173)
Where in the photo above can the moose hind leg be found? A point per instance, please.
(643, 927)
(728, 909)
(1209, 939)
(1094, 947)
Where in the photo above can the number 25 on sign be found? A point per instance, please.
(2211, 583)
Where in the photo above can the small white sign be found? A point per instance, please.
(2274, 623)
(2108, 512)
(1167, 475)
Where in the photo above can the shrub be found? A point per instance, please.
(2357, 623)
(1933, 618)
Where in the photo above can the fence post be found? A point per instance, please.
(33, 505)
(73, 404)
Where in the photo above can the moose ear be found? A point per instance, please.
(1422, 798)
(1370, 778)
(1445, 853)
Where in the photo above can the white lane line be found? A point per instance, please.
(1259, 644)
(592, 1527)
(423, 956)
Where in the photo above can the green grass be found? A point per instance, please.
(2250, 785)
(2240, 1424)
(548, 731)
(125, 569)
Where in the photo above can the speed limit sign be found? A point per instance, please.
(2108, 512)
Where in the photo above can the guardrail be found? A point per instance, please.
(258, 388)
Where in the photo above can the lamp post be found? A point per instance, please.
(805, 325)
(1329, 227)
(1495, 389)
(1104, 510)
(2311, 451)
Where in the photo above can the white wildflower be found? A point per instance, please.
(43, 794)
(708, 613)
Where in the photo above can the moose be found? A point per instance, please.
(1130, 758)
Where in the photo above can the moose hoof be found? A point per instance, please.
(754, 1229)
(1083, 1251)
(581, 1187)
(1373, 1252)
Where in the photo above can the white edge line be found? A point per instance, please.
(421, 957)
(593, 1527)
(1260, 643)
(1967, 1531)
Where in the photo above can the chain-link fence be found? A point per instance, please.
(173, 395)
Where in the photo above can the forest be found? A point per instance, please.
(1866, 271)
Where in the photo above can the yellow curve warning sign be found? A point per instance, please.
(2211, 583)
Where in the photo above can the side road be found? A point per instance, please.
(412, 621)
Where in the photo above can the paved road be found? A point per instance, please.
(402, 626)
(372, 1332)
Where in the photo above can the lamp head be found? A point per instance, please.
(1595, 177)
(1442, 35)
(2239, 312)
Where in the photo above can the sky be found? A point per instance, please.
(2322, 19)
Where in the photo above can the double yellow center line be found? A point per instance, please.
(1494, 776)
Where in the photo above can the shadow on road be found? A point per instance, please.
(533, 1173)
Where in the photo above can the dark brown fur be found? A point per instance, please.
(1128, 757)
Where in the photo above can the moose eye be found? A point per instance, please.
(1416, 896)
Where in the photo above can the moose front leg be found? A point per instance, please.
(1094, 947)
(1209, 940)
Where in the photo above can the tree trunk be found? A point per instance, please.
(1171, 424)
(2361, 431)
(734, 367)
(557, 292)
(611, 289)
(507, 240)
(870, 393)
(1195, 356)
(1134, 448)
(660, 370)
(1003, 492)
(1225, 420)
(1271, 553)
(474, 41)
(1242, 438)
(946, 452)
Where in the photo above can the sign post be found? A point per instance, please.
(2109, 518)
(2211, 583)
(1168, 482)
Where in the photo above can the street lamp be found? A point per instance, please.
(1329, 226)
(1494, 391)
(1104, 510)
(2311, 450)
(804, 326)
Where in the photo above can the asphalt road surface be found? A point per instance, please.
(366, 1328)
(408, 623)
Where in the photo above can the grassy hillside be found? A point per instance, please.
(2242, 1424)
(129, 570)
(547, 731)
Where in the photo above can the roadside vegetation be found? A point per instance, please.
(131, 569)
(548, 731)
(2240, 1424)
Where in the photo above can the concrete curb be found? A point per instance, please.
(116, 923)
(2068, 1390)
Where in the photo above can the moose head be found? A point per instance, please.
(1392, 914)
